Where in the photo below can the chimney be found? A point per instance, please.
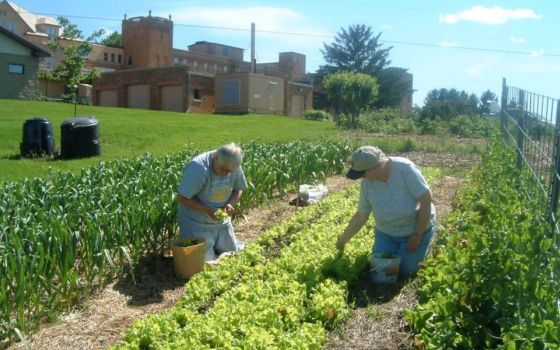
(253, 61)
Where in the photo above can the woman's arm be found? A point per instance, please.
(197, 205)
(355, 224)
(422, 220)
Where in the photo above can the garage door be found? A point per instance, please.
(296, 107)
(138, 96)
(172, 98)
(108, 98)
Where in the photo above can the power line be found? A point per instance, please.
(411, 43)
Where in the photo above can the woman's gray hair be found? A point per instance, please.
(230, 155)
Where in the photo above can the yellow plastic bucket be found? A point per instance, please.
(384, 268)
(188, 256)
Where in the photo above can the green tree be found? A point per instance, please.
(393, 84)
(446, 104)
(486, 98)
(114, 39)
(355, 50)
(351, 93)
(75, 52)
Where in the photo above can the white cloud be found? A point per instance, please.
(537, 53)
(477, 69)
(446, 43)
(516, 40)
(488, 15)
(265, 18)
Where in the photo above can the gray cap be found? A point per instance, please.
(364, 158)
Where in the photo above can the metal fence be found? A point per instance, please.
(532, 122)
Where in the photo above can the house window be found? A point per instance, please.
(52, 32)
(175, 60)
(215, 68)
(15, 68)
(185, 61)
(197, 95)
(195, 64)
(130, 60)
(225, 69)
(3, 13)
(113, 57)
(105, 56)
(231, 95)
(120, 58)
(225, 51)
(206, 67)
(48, 62)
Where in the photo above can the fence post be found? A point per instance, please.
(555, 182)
(520, 127)
(503, 108)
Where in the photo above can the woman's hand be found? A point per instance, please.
(413, 242)
(211, 213)
(229, 209)
(341, 242)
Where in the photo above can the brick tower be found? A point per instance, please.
(147, 41)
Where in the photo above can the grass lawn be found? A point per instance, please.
(132, 132)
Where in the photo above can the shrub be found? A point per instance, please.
(318, 115)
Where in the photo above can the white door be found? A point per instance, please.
(172, 98)
(108, 98)
(138, 96)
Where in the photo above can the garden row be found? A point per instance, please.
(494, 283)
(286, 290)
(62, 236)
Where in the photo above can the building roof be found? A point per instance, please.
(30, 18)
(211, 43)
(39, 51)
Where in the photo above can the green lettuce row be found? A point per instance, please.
(283, 303)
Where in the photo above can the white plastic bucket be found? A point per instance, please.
(384, 267)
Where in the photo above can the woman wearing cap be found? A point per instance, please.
(394, 190)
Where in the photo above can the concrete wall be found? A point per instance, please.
(266, 94)
(243, 106)
(257, 94)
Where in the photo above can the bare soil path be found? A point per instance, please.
(100, 322)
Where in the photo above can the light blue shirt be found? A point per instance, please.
(394, 203)
(199, 181)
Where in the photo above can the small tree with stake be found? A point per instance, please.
(74, 52)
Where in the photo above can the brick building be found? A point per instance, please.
(157, 76)
(147, 72)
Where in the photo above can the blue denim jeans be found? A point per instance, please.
(384, 243)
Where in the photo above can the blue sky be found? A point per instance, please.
(468, 45)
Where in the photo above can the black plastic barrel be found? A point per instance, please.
(38, 138)
(79, 137)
